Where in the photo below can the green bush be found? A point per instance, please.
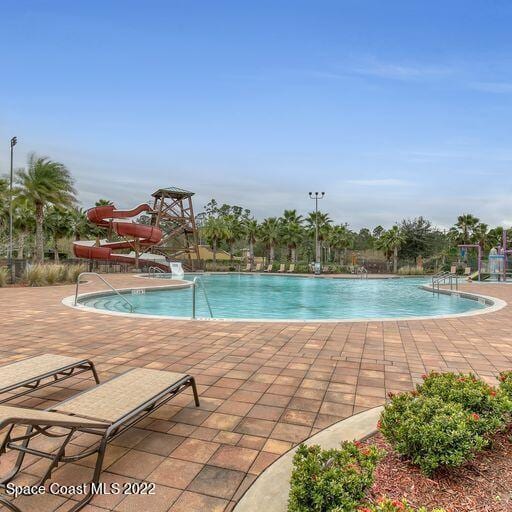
(430, 432)
(324, 480)
(4, 276)
(387, 505)
(492, 405)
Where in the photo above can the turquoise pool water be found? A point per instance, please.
(292, 298)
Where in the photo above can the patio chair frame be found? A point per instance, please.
(59, 374)
(105, 431)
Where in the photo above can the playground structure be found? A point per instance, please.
(496, 266)
(166, 235)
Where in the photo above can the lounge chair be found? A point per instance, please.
(292, 267)
(105, 411)
(258, 267)
(269, 268)
(282, 268)
(248, 267)
(453, 269)
(325, 269)
(23, 377)
(467, 271)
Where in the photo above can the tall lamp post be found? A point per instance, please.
(10, 260)
(317, 196)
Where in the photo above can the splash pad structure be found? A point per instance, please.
(496, 266)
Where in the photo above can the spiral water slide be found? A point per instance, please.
(133, 234)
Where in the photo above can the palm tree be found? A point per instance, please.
(45, 182)
(390, 242)
(269, 234)
(340, 240)
(4, 202)
(465, 225)
(24, 224)
(479, 235)
(57, 225)
(324, 225)
(79, 224)
(215, 231)
(292, 234)
(291, 216)
(103, 202)
(234, 232)
(251, 230)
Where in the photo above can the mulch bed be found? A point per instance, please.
(485, 484)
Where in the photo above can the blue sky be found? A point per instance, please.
(395, 109)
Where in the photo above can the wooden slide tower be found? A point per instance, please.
(174, 215)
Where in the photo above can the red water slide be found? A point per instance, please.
(116, 220)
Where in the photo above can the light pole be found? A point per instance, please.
(316, 196)
(14, 141)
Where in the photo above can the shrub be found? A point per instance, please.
(51, 273)
(505, 379)
(73, 271)
(492, 405)
(4, 275)
(387, 505)
(430, 432)
(325, 479)
(410, 270)
(34, 275)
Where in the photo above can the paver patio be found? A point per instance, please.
(263, 386)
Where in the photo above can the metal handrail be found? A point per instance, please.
(106, 282)
(441, 277)
(154, 270)
(194, 284)
(362, 271)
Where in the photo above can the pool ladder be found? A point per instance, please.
(442, 278)
(155, 270)
(130, 305)
(194, 286)
(362, 273)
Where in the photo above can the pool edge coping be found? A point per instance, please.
(493, 304)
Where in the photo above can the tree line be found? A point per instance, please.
(46, 211)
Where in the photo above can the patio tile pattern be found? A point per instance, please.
(264, 387)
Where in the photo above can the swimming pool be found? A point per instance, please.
(273, 297)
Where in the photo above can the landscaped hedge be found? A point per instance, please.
(445, 421)
(328, 480)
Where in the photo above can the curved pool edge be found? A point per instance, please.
(493, 304)
(270, 490)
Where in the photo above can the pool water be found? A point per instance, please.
(255, 296)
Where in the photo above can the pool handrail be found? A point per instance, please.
(441, 277)
(152, 271)
(194, 284)
(106, 282)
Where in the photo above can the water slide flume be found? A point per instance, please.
(137, 237)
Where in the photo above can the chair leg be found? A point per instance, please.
(96, 476)
(8, 505)
(194, 390)
(19, 459)
(94, 372)
(56, 458)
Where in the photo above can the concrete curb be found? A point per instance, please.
(270, 491)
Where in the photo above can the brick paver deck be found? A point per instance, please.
(263, 386)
